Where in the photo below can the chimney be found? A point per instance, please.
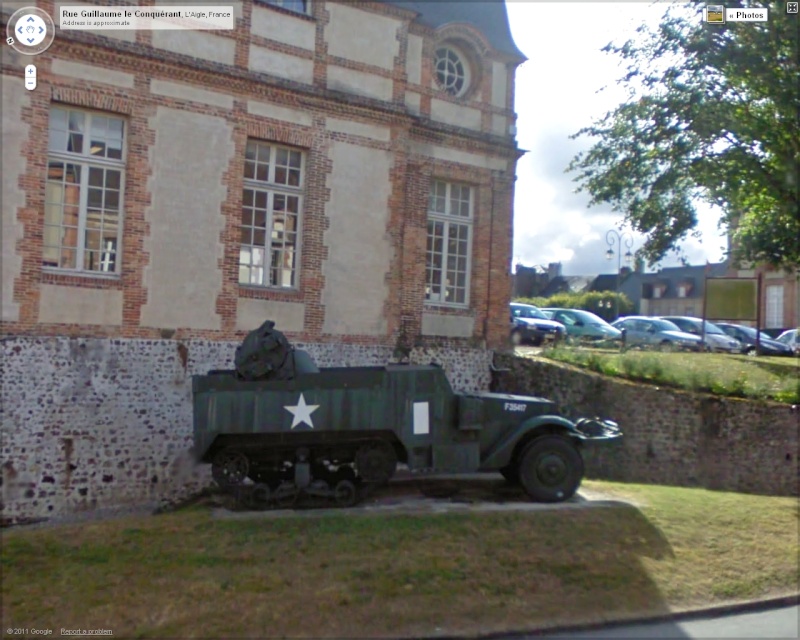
(553, 270)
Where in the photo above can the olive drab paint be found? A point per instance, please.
(408, 409)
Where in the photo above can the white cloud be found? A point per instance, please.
(566, 83)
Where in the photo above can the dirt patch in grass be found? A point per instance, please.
(186, 574)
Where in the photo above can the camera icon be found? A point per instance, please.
(10, 40)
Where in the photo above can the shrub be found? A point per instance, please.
(602, 303)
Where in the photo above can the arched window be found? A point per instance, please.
(452, 70)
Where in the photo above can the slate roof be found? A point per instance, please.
(606, 282)
(490, 18)
(566, 284)
(671, 278)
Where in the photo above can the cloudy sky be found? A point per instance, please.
(556, 95)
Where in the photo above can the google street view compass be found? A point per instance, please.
(30, 31)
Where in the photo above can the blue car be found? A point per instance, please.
(641, 331)
(584, 326)
(530, 325)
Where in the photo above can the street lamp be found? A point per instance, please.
(616, 239)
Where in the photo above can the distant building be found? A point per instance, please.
(530, 282)
(780, 305)
(564, 284)
(671, 291)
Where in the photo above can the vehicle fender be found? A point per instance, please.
(503, 452)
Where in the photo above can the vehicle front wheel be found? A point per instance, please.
(551, 469)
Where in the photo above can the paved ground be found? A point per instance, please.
(781, 622)
(409, 494)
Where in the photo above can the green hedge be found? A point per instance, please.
(600, 302)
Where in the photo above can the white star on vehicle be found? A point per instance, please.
(302, 412)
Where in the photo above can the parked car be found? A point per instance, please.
(747, 336)
(530, 325)
(641, 331)
(584, 326)
(716, 339)
(791, 339)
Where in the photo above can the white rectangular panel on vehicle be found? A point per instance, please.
(421, 420)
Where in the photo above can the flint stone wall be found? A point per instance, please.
(671, 437)
(105, 424)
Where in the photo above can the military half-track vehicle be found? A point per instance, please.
(293, 431)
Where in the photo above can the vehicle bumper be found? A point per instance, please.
(537, 336)
(595, 429)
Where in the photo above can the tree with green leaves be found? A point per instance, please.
(713, 114)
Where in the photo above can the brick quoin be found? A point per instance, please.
(410, 176)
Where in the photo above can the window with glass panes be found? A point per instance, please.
(447, 260)
(83, 191)
(271, 207)
(298, 6)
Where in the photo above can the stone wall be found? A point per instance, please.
(671, 437)
(94, 423)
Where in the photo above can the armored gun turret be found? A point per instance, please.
(265, 354)
(278, 429)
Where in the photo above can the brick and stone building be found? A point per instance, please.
(343, 168)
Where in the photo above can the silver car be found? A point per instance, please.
(716, 339)
(641, 331)
(791, 339)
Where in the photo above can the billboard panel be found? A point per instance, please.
(731, 299)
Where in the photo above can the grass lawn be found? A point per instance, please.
(763, 377)
(187, 574)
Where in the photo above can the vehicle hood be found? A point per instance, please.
(718, 338)
(605, 330)
(773, 344)
(681, 335)
(514, 405)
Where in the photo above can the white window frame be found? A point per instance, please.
(272, 189)
(774, 306)
(86, 161)
(448, 219)
(465, 76)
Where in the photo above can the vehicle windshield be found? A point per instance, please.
(591, 319)
(714, 329)
(520, 311)
(663, 325)
(749, 331)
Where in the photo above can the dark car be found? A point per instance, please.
(641, 331)
(747, 336)
(584, 326)
(530, 325)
